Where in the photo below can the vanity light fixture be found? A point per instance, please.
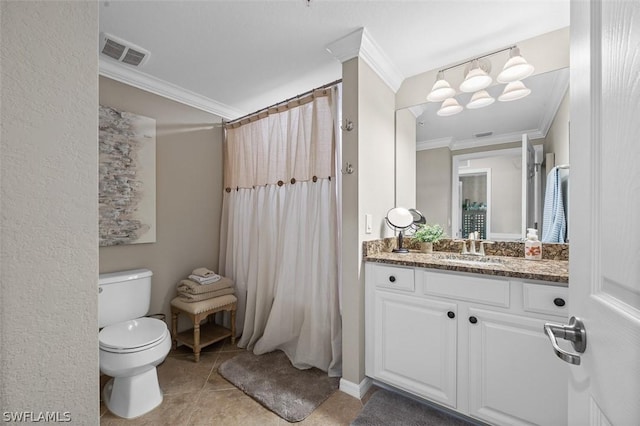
(441, 89)
(480, 99)
(514, 90)
(516, 68)
(449, 107)
(477, 78)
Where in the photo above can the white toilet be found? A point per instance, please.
(131, 346)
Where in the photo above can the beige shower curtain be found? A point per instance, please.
(279, 231)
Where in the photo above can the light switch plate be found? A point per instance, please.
(368, 223)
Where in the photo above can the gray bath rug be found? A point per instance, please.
(386, 408)
(271, 380)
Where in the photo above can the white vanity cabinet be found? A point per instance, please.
(514, 376)
(472, 343)
(421, 359)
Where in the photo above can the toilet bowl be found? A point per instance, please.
(131, 345)
(130, 352)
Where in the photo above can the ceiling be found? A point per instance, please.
(245, 55)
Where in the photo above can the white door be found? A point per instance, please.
(604, 263)
(528, 189)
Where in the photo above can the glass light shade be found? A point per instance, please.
(516, 68)
(441, 90)
(480, 99)
(449, 107)
(476, 79)
(514, 90)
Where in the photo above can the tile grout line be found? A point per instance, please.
(201, 391)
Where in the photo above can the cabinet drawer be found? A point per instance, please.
(393, 277)
(489, 291)
(545, 299)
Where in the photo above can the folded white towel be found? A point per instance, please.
(203, 272)
(191, 298)
(208, 280)
(188, 286)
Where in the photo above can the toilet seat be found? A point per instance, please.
(133, 336)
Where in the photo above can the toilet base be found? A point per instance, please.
(133, 396)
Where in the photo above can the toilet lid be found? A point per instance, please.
(132, 334)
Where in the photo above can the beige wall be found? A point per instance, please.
(188, 192)
(405, 159)
(48, 226)
(369, 190)
(376, 115)
(433, 186)
(557, 140)
(506, 192)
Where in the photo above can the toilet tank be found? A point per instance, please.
(123, 296)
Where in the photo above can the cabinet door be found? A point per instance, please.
(514, 379)
(415, 345)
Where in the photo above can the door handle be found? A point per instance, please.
(574, 332)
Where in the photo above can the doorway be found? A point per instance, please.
(474, 187)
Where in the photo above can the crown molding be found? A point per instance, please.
(560, 87)
(495, 140)
(151, 84)
(360, 44)
(416, 110)
(455, 145)
(434, 143)
(373, 55)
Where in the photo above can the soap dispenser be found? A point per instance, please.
(532, 246)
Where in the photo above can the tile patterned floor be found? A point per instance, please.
(195, 394)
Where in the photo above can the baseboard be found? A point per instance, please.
(354, 389)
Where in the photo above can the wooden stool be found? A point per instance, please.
(197, 311)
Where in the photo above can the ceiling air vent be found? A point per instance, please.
(122, 51)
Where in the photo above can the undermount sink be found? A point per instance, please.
(476, 262)
(470, 260)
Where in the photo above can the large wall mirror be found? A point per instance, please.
(486, 169)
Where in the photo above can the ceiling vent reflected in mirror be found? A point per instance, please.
(482, 135)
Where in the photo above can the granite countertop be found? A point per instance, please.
(556, 271)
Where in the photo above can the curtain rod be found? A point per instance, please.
(308, 92)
